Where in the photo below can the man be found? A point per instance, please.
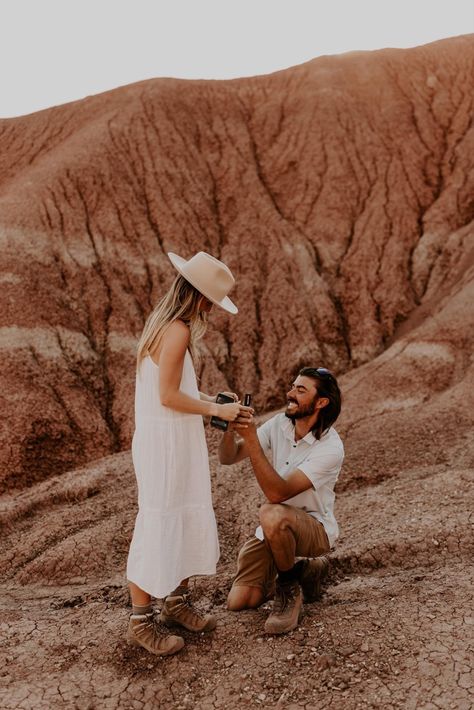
(298, 519)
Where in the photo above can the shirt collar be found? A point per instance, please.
(288, 429)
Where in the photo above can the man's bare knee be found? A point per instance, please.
(273, 518)
(244, 598)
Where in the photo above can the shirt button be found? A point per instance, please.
(287, 463)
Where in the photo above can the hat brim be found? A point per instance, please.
(178, 263)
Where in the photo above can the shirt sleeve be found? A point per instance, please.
(322, 466)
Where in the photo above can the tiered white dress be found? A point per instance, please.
(175, 532)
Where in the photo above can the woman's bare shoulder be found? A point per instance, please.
(178, 326)
(175, 339)
(177, 331)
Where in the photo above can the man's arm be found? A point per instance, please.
(230, 450)
(275, 488)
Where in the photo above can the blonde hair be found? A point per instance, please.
(180, 303)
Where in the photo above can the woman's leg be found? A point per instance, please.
(178, 609)
(138, 596)
(141, 627)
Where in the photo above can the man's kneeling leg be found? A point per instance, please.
(255, 579)
(291, 532)
(242, 597)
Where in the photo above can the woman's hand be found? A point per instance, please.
(229, 412)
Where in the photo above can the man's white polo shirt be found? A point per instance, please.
(320, 461)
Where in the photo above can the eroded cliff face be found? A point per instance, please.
(340, 193)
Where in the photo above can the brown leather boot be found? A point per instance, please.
(313, 574)
(287, 609)
(179, 610)
(142, 631)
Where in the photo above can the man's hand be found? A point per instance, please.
(232, 450)
(244, 423)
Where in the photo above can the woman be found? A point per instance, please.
(175, 533)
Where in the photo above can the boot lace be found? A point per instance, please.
(186, 605)
(284, 598)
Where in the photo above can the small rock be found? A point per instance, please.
(346, 651)
(322, 662)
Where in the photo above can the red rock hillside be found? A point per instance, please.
(340, 193)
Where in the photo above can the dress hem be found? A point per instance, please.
(157, 593)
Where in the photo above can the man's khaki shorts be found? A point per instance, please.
(255, 565)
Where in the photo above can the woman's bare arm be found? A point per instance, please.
(207, 397)
(173, 346)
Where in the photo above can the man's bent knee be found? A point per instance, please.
(274, 517)
(243, 597)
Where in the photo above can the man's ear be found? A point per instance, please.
(322, 402)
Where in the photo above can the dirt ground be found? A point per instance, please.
(394, 628)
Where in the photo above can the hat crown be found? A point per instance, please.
(214, 276)
(209, 276)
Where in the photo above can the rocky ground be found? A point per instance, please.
(395, 628)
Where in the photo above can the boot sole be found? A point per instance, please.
(168, 652)
(286, 631)
(171, 622)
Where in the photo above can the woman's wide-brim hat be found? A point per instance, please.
(209, 276)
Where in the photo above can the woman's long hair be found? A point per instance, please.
(180, 303)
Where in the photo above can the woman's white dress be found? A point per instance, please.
(175, 532)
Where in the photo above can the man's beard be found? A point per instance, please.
(303, 412)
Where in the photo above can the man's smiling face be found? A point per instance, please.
(301, 398)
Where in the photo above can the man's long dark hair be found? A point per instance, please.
(327, 386)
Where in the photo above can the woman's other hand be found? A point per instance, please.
(229, 412)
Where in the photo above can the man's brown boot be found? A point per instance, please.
(179, 610)
(142, 631)
(313, 574)
(287, 609)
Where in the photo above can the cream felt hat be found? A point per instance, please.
(210, 276)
